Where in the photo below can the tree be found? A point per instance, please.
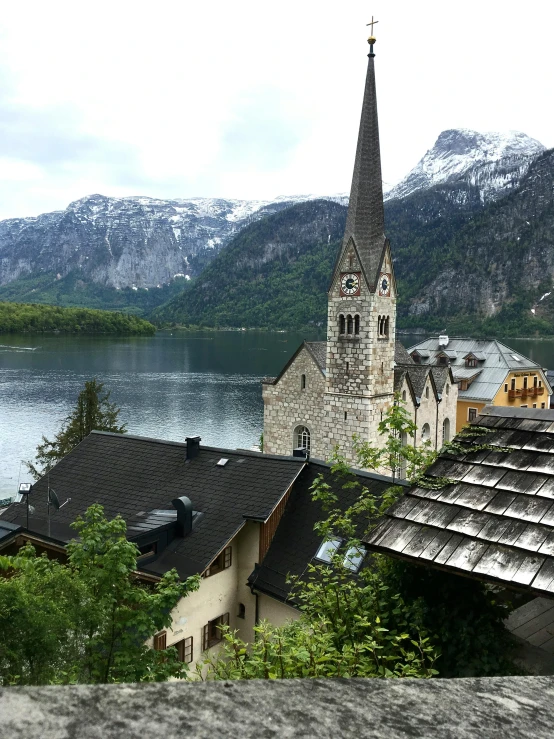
(87, 620)
(93, 411)
(391, 619)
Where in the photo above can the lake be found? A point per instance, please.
(168, 386)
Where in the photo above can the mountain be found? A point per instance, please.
(119, 243)
(493, 162)
(274, 274)
(461, 266)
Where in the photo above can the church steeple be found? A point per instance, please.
(365, 223)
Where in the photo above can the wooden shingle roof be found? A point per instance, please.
(487, 513)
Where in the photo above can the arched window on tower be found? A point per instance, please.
(349, 325)
(356, 324)
(342, 324)
(302, 438)
(386, 327)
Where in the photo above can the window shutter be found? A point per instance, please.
(160, 640)
(205, 637)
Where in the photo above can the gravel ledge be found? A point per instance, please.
(513, 707)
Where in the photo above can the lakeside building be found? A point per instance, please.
(487, 373)
(329, 391)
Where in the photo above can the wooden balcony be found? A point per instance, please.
(525, 392)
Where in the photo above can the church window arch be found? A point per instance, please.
(302, 382)
(425, 432)
(445, 430)
(342, 324)
(383, 327)
(357, 324)
(302, 438)
(349, 325)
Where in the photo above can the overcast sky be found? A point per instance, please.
(251, 99)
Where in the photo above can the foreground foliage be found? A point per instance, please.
(87, 620)
(93, 411)
(33, 318)
(392, 619)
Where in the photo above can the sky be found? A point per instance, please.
(251, 100)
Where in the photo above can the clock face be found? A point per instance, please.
(384, 285)
(350, 283)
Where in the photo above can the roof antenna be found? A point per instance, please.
(54, 501)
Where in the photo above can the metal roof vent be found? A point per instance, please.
(222, 462)
(443, 340)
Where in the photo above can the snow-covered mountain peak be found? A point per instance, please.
(494, 161)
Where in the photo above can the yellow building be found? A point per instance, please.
(487, 372)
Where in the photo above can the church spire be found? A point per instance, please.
(365, 222)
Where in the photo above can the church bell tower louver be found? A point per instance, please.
(361, 320)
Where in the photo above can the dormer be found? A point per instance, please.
(420, 356)
(442, 359)
(472, 359)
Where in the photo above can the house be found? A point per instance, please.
(330, 391)
(487, 373)
(488, 513)
(201, 510)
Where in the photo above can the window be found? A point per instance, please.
(302, 438)
(383, 327)
(347, 366)
(447, 389)
(445, 430)
(425, 432)
(534, 405)
(223, 560)
(160, 640)
(353, 558)
(342, 324)
(356, 324)
(403, 395)
(540, 383)
(327, 550)
(535, 381)
(184, 649)
(416, 358)
(442, 359)
(349, 325)
(543, 405)
(242, 611)
(471, 414)
(524, 406)
(345, 415)
(513, 383)
(147, 550)
(211, 632)
(427, 392)
(506, 388)
(471, 362)
(302, 382)
(525, 382)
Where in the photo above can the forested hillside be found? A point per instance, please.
(274, 274)
(29, 318)
(461, 267)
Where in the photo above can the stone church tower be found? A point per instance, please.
(329, 391)
(361, 317)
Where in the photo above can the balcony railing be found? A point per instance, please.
(525, 392)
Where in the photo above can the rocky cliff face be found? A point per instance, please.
(492, 162)
(127, 242)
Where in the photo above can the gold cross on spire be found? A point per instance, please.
(372, 24)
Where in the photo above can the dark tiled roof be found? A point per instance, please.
(401, 355)
(132, 476)
(295, 542)
(496, 522)
(318, 350)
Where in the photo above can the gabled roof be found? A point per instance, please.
(495, 522)
(318, 352)
(496, 360)
(295, 543)
(134, 476)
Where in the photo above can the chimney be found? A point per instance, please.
(443, 341)
(184, 515)
(193, 446)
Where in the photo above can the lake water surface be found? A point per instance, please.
(168, 386)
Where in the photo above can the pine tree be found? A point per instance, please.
(93, 411)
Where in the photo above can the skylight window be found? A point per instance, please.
(222, 462)
(327, 550)
(514, 356)
(353, 558)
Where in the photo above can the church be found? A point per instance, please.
(331, 390)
